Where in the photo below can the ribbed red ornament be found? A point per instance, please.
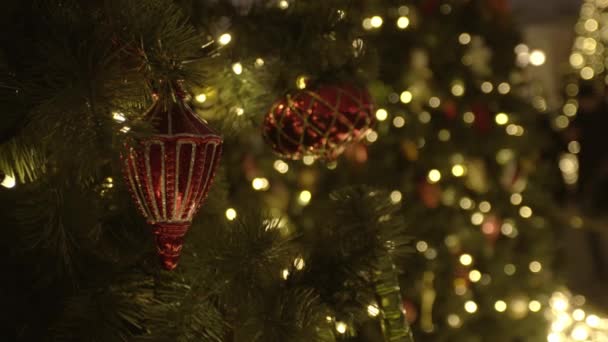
(169, 173)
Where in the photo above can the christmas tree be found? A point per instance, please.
(382, 174)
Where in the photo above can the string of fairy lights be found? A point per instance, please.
(588, 59)
(569, 321)
(479, 211)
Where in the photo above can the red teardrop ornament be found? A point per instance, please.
(170, 172)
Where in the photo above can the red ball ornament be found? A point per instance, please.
(319, 122)
(170, 172)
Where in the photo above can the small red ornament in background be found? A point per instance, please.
(491, 229)
(450, 109)
(411, 311)
(483, 122)
(357, 153)
(318, 122)
(430, 6)
(514, 176)
(170, 172)
(461, 278)
(500, 7)
(430, 194)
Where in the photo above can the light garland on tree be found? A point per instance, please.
(570, 322)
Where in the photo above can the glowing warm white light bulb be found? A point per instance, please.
(580, 333)
(285, 274)
(299, 263)
(260, 184)
(9, 181)
(577, 60)
(487, 87)
(406, 97)
(475, 276)
(485, 207)
(118, 117)
(516, 199)
(403, 22)
(525, 212)
(373, 310)
(468, 117)
(466, 203)
(376, 21)
(301, 82)
(444, 135)
(434, 176)
(304, 197)
(521, 48)
(372, 136)
(477, 218)
(534, 306)
(283, 4)
(398, 121)
(554, 337)
(454, 320)
(458, 170)
(535, 267)
(225, 39)
(587, 73)
(593, 321)
(466, 259)
(396, 196)
(464, 38)
(591, 25)
(422, 246)
(559, 302)
(308, 160)
(341, 327)
(501, 119)
(200, 98)
(537, 57)
(504, 88)
(470, 306)
(500, 306)
(434, 102)
(367, 23)
(457, 89)
(281, 166)
(381, 114)
(230, 214)
(237, 68)
(578, 315)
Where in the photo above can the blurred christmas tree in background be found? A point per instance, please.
(388, 173)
